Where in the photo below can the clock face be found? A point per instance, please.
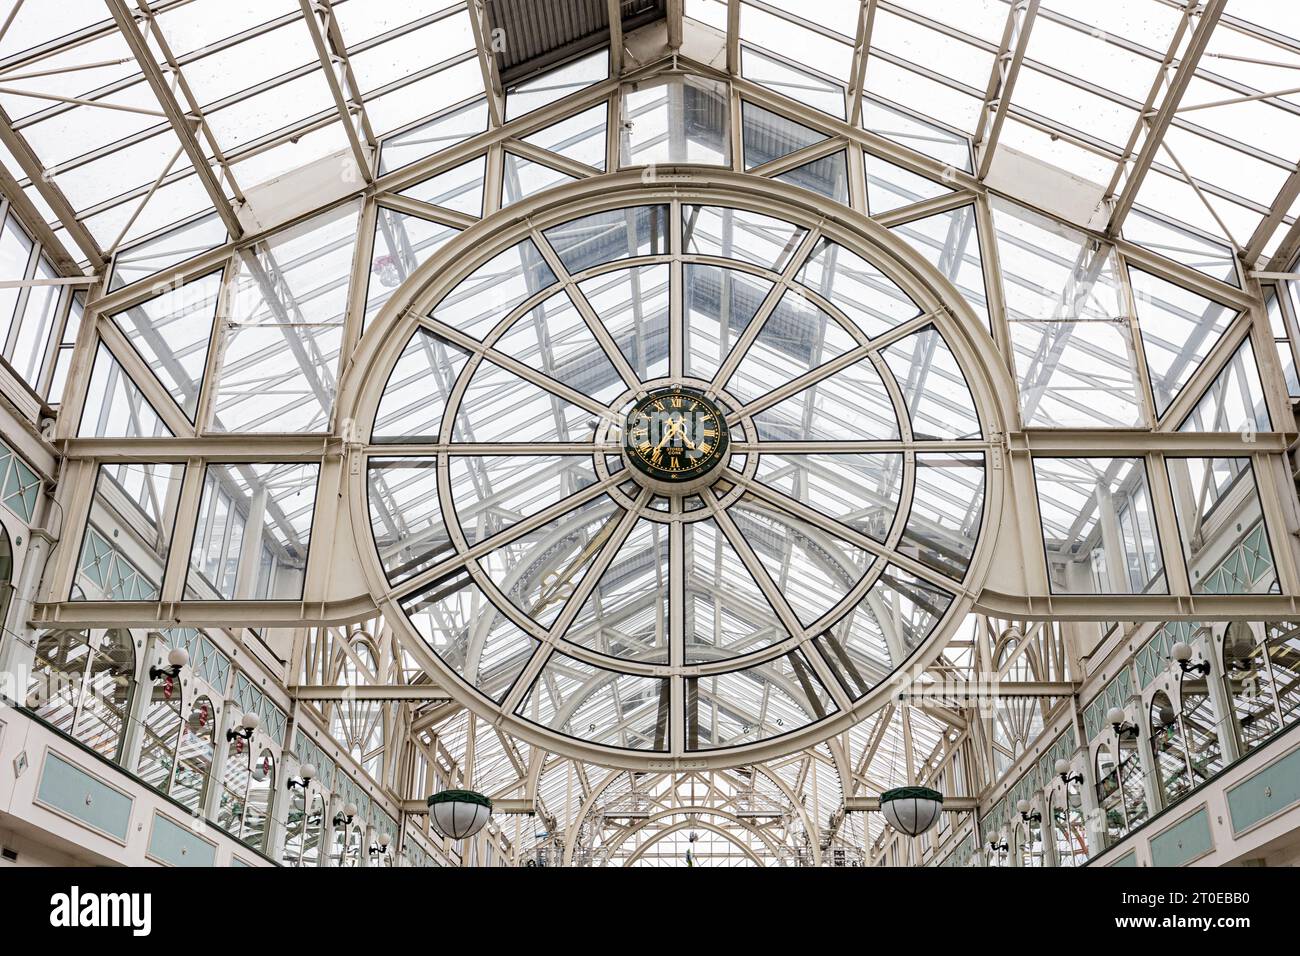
(676, 435)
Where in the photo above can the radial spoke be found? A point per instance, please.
(496, 448)
(588, 313)
(504, 537)
(784, 612)
(516, 367)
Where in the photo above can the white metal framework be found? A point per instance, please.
(260, 302)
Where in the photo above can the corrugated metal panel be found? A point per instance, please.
(539, 34)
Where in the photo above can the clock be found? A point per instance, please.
(677, 438)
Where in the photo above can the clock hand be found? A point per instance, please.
(672, 430)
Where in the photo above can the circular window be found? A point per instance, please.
(663, 477)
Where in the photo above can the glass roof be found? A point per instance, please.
(250, 185)
(531, 559)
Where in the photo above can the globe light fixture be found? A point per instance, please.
(1063, 771)
(177, 658)
(307, 773)
(1182, 653)
(1118, 719)
(247, 724)
(459, 814)
(911, 810)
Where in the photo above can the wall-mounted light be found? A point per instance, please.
(1118, 719)
(177, 658)
(1181, 654)
(380, 848)
(308, 774)
(344, 817)
(1063, 771)
(1028, 813)
(995, 847)
(247, 724)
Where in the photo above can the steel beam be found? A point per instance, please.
(1002, 82)
(402, 692)
(334, 61)
(950, 804)
(1157, 125)
(971, 692)
(181, 124)
(53, 196)
(508, 807)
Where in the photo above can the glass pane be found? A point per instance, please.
(947, 508)
(402, 242)
(757, 703)
(633, 305)
(171, 332)
(797, 84)
(882, 631)
(861, 491)
(462, 627)
(739, 234)
(1098, 528)
(828, 176)
(600, 706)
(1235, 402)
(417, 390)
(553, 339)
(405, 515)
(718, 304)
(1179, 328)
(726, 612)
(934, 388)
(606, 236)
(495, 289)
(860, 290)
(850, 405)
(253, 532)
(769, 136)
(492, 493)
(1217, 502)
(626, 615)
(811, 567)
(796, 338)
(459, 189)
(681, 119)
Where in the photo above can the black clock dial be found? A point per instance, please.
(676, 435)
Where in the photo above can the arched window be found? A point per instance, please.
(1068, 827)
(234, 787)
(1168, 754)
(1284, 660)
(1132, 783)
(359, 724)
(1017, 720)
(1200, 728)
(106, 700)
(994, 855)
(1110, 798)
(160, 735)
(295, 820)
(1030, 846)
(261, 792)
(194, 758)
(83, 685)
(313, 831)
(6, 576)
(338, 839)
(356, 841)
(1262, 679)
